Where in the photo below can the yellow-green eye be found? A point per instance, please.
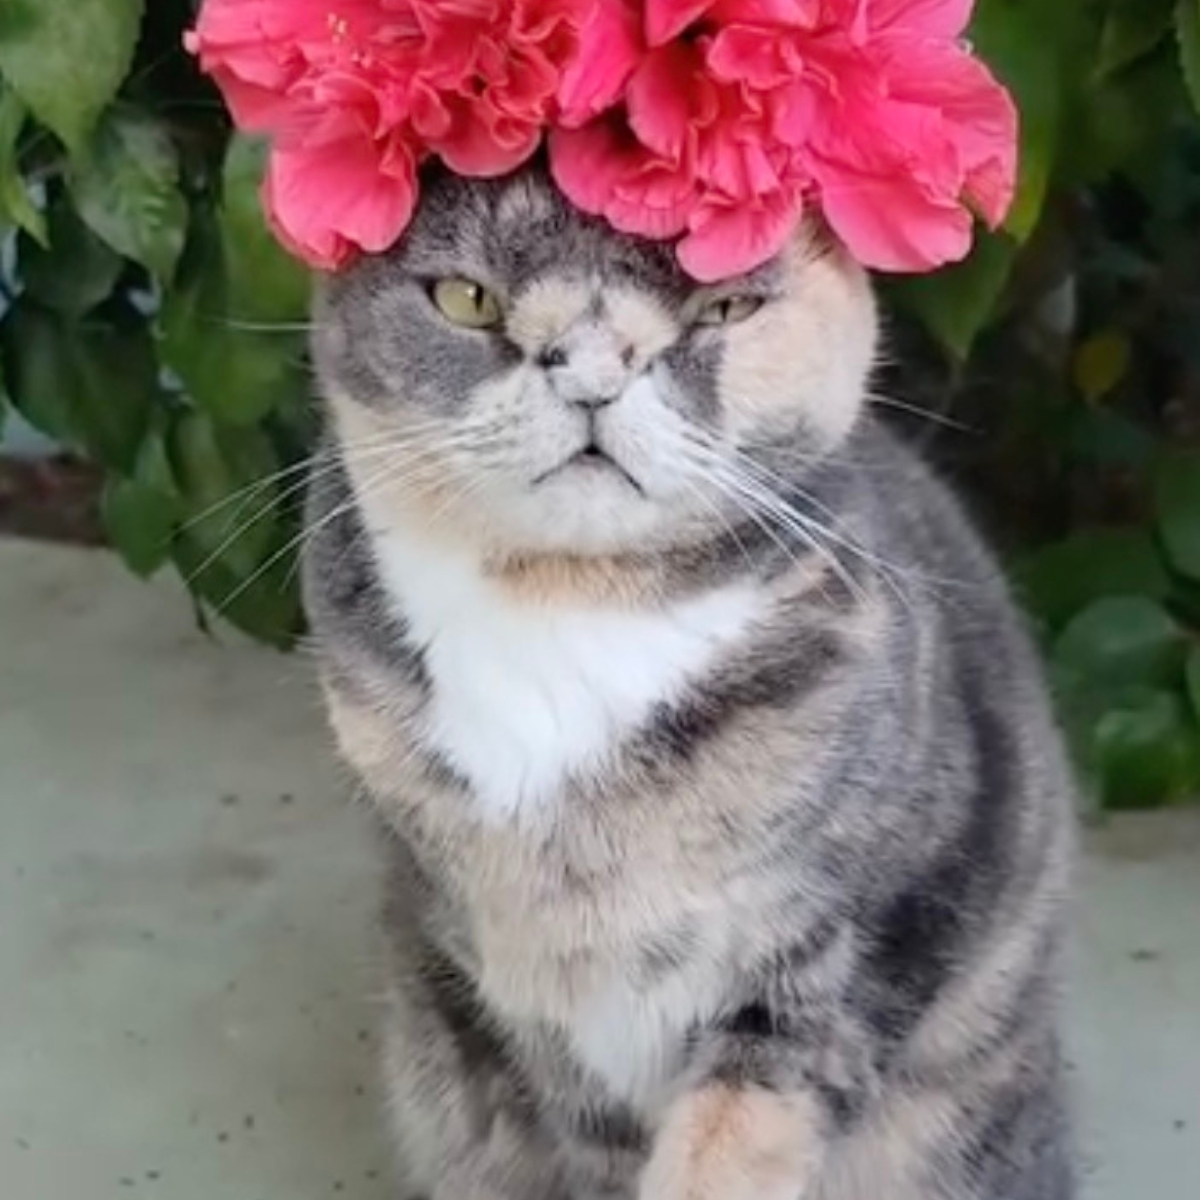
(466, 303)
(729, 311)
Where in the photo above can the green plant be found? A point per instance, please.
(1071, 340)
(150, 320)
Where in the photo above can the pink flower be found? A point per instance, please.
(356, 93)
(610, 46)
(603, 169)
(695, 159)
(719, 123)
(328, 205)
(870, 110)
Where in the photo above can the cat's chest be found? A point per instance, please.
(523, 696)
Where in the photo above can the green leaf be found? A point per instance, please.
(1177, 503)
(957, 303)
(265, 604)
(1122, 640)
(30, 342)
(126, 186)
(1146, 751)
(235, 371)
(237, 546)
(1106, 437)
(1193, 680)
(1026, 46)
(1132, 28)
(231, 501)
(233, 327)
(76, 272)
(1062, 579)
(92, 384)
(1101, 363)
(264, 284)
(1078, 708)
(140, 511)
(15, 204)
(4, 401)
(1187, 29)
(1126, 124)
(236, 375)
(67, 58)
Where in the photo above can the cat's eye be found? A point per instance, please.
(729, 311)
(467, 303)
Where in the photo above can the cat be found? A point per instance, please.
(728, 833)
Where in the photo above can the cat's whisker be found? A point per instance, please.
(454, 501)
(698, 494)
(773, 508)
(305, 534)
(256, 485)
(752, 512)
(374, 446)
(769, 530)
(836, 530)
(430, 470)
(925, 414)
(788, 520)
(758, 493)
(686, 447)
(769, 487)
(253, 488)
(262, 326)
(768, 477)
(788, 515)
(392, 473)
(271, 507)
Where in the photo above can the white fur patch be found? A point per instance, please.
(632, 1038)
(525, 697)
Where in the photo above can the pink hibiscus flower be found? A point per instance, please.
(356, 93)
(715, 122)
(871, 110)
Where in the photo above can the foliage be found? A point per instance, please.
(150, 320)
(1070, 343)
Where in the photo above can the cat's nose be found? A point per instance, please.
(589, 371)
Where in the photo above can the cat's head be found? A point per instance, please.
(528, 377)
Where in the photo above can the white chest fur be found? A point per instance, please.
(525, 697)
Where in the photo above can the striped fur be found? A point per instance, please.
(761, 900)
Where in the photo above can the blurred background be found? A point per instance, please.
(163, 780)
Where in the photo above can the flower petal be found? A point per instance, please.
(660, 99)
(326, 204)
(609, 49)
(601, 171)
(925, 18)
(667, 19)
(891, 224)
(732, 239)
(979, 118)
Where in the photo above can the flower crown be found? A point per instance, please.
(714, 123)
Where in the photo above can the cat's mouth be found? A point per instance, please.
(591, 457)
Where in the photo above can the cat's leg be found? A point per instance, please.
(757, 1120)
(464, 1123)
(769, 1120)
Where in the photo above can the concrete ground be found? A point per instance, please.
(185, 977)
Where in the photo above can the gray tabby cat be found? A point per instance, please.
(729, 832)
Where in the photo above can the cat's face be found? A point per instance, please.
(522, 372)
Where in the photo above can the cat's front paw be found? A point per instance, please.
(730, 1143)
